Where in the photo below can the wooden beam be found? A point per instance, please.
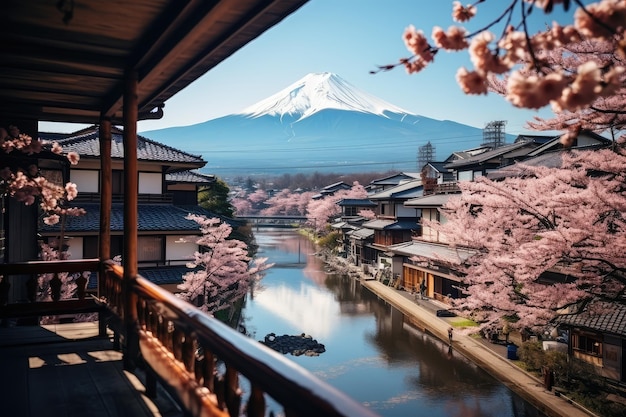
(131, 194)
(50, 308)
(46, 267)
(106, 189)
(131, 177)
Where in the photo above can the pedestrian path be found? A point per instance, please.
(490, 357)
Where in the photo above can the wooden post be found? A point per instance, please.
(106, 191)
(131, 190)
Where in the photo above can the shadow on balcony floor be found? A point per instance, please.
(66, 370)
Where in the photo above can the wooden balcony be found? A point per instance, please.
(149, 353)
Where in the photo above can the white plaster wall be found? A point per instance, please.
(150, 183)
(464, 176)
(76, 248)
(402, 211)
(180, 248)
(428, 233)
(87, 181)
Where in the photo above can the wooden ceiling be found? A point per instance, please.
(67, 60)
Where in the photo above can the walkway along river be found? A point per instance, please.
(373, 353)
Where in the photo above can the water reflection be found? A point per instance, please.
(372, 353)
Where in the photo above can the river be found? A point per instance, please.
(371, 354)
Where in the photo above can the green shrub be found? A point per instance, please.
(330, 241)
(532, 354)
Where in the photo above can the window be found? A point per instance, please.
(149, 248)
(587, 344)
(90, 247)
(350, 211)
(117, 181)
(54, 176)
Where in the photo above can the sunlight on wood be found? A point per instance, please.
(35, 362)
(106, 355)
(136, 383)
(70, 359)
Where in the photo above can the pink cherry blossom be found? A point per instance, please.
(536, 220)
(560, 58)
(452, 40)
(73, 157)
(226, 271)
(462, 13)
(471, 82)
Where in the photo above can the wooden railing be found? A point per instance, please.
(202, 359)
(81, 303)
(85, 197)
(193, 354)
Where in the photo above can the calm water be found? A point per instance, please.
(371, 354)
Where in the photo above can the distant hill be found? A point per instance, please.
(320, 123)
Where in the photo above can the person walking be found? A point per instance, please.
(450, 329)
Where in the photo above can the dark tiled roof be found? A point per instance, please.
(438, 166)
(359, 202)
(433, 200)
(159, 276)
(611, 318)
(540, 139)
(165, 275)
(361, 234)
(404, 225)
(494, 153)
(337, 186)
(384, 224)
(190, 177)
(86, 143)
(430, 250)
(409, 189)
(378, 224)
(208, 213)
(151, 217)
(396, 178)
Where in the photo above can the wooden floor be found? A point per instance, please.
(66, 370)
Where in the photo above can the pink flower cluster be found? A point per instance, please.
(26, 184)
(532, 80)
(416, 42)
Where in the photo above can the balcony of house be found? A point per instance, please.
(85, 197)
(138, 350)
(446, 188)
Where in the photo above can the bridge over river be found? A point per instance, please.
(274, 221)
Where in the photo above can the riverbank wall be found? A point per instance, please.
(492, 358)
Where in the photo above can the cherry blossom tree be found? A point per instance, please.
(573, 67)
(367, 213)
(225, 272)
(59, 286)
(569, 219)
(287, 203)
(25, 183)
(20, 179)
(321, 211)
(242, 206)
(604, 114)
(252, 203)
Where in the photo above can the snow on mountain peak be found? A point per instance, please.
(319, 91)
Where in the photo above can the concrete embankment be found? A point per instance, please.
(422, 313)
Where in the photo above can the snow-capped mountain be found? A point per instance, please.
(320, 91)
(319, 123)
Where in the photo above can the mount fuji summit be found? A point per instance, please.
(320, 123)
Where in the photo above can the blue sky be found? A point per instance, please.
(349, 38)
